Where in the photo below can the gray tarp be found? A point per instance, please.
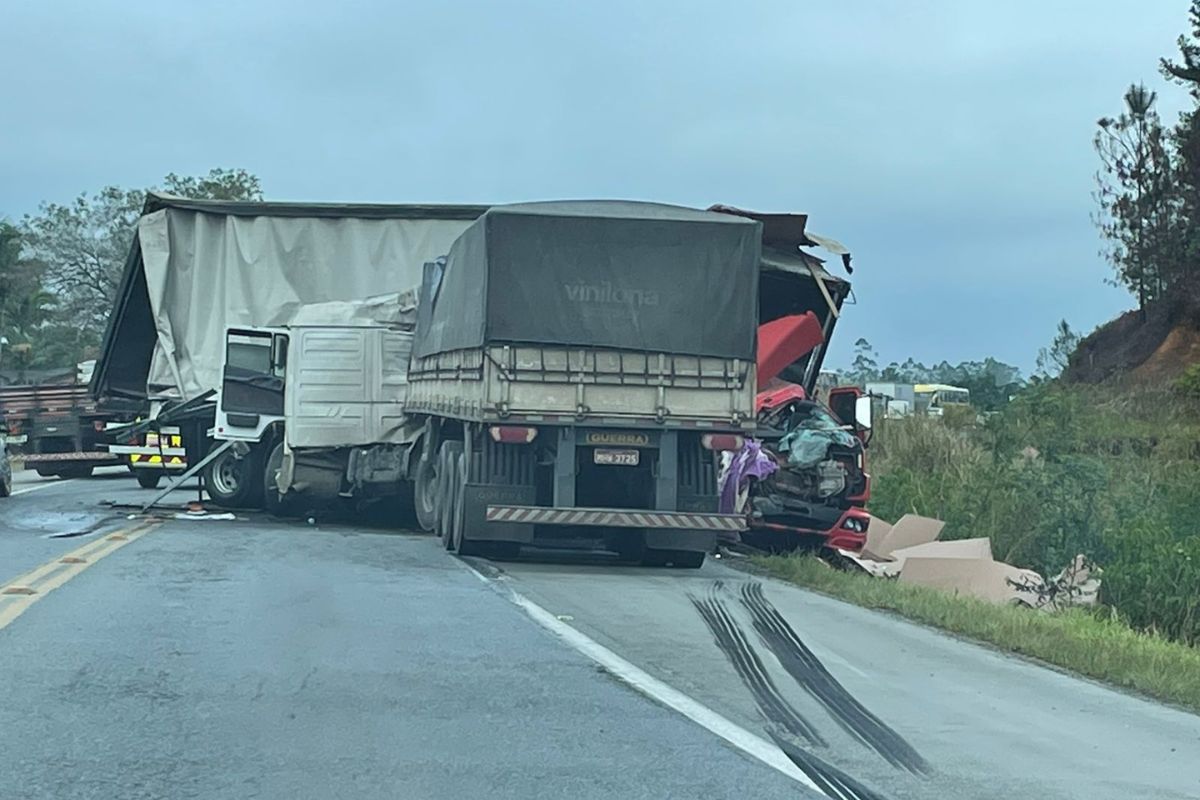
(205, 272)
(635, 276)
(395, 310)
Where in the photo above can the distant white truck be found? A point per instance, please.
(895, 399)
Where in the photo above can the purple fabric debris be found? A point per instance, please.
(749, 462)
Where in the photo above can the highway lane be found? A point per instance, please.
(262, 658)
(257, 658)
(46, 517)
(989, 725)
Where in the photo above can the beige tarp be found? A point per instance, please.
(206, 272)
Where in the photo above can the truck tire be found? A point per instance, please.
(458, 515)
(148, 478)
(46, 471)
(680, 559)
(447, 494)
(235, 482)
(273, 502)
(425, 493)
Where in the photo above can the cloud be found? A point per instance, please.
(948, 144)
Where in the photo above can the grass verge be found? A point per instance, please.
(1077, 640)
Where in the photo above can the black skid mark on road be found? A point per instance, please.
(732, 642)
(829, 779)
(800, 662)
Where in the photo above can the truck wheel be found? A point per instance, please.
(46, 471)
(6, 482)
(680, 559)
(448, 490)
(440, 487)
(148, 478)
(462, 545)
(276, 504)
(425, 493)
(235, 482)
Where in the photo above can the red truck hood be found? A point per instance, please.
(783, 341)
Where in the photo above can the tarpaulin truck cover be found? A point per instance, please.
(199, 267)
(611, 274)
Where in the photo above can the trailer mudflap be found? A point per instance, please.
(614, 518)
(480, 499)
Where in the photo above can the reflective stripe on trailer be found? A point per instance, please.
(170, 462)
(615, 518)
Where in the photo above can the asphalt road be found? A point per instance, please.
(261, 658)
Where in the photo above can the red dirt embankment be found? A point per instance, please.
(1155, 347)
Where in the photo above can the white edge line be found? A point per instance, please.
(645, 683)
(40, 486)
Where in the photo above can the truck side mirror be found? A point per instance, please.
(853, 409)
(862, 413)
(279, 348)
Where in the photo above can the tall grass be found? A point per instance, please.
(1110, 473)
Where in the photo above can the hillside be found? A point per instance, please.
(1153, 349)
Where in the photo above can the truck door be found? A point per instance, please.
(252, 383)
(852, 408)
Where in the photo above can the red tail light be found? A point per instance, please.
(97, 425)
(512, 434)
(722, 441)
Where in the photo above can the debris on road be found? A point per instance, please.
(910, 552)
(204, 515)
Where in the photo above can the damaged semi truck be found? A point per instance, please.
(570, 371)
(198, 267)
(575, 369)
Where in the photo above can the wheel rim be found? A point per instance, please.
(227, 475)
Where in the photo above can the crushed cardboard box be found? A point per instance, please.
(911, 552)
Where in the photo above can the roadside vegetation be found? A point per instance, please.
(1111, 472)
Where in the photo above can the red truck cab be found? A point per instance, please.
(818, 490)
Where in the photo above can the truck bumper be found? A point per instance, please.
(162, 450)
(96, 457)
(848, 533)
(614, 518)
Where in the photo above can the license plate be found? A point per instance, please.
(620, 458)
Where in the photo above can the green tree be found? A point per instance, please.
(865, 366)
(1052, 360)
(81, 248)
(1186, 140)
(25, 305)
(1138, 198)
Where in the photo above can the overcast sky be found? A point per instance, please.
(947, 144)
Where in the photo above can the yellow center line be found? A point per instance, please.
(51, 566)
(54, 574)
